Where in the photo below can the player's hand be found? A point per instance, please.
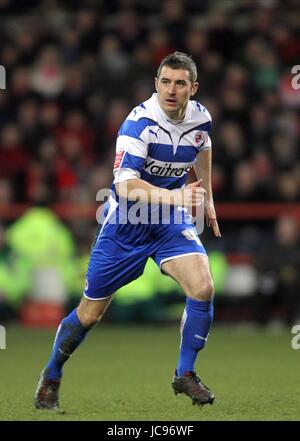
(191, 196)
(211, 218)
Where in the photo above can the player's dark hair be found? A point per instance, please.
(179, 60)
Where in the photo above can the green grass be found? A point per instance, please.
(124, 373)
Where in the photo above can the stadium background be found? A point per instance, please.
(74, 73)
(74, 70)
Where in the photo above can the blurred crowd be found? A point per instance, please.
(75, 69)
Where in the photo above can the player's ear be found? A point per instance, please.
(194, 88)
(156, 83)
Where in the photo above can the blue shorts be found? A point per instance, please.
(120, 253)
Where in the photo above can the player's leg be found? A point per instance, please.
(114, 262)
(192, 272)
(72, 331)
(70, 334)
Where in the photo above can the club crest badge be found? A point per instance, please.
(200, 138)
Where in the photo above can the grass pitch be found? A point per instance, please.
(123, 374)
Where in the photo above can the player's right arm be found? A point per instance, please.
(132, 151)
(137, 189)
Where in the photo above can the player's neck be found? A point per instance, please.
(176, 117)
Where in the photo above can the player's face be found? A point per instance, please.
(174, 89)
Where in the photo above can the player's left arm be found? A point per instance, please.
(202, 168)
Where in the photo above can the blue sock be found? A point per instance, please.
(195, 324)
(70, 334)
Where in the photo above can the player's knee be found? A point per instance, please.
(90, 312)
(89, 316)
(89, 319)
(203, 292)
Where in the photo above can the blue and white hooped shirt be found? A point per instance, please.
(152, 148)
